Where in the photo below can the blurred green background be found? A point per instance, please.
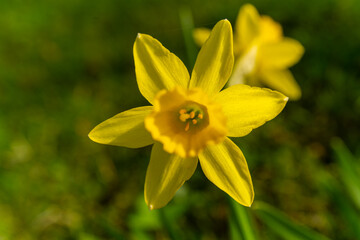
(67, 65)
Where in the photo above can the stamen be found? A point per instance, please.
(187, 126)
(192, 114)
(184, 117)
(182, 111)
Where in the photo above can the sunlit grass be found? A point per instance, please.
(67, 65)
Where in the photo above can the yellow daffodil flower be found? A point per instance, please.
(263, 55)
(190, 118)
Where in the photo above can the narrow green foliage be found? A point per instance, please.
(168, 225)
(281, 225)
(187, 26)
(349, 173)
(344, 206)
(235, 233)
(241, 224)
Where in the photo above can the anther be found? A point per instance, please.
(184, 117)
(190, 115)
(182, 111)
(187, 126)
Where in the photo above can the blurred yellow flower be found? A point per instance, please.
(190, 118)
(262, 54)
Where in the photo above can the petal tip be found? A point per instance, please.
(151, 207)
(225, 20)
(248, 5)
(286, 99)
(91, 135)
(94, 136)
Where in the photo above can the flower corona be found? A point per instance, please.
(185, 121)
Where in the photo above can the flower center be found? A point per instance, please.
(185, 121)
(192, 114)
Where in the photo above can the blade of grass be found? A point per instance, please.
(347, 168)
(187, 27)
(241, 224)
(281, 225)
(234, 229)
(344, 205)
(168, 225)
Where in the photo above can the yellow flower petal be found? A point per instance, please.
(244, 66)
(225, 165)
(185, 121)
(270, 31)
(125, 129)
(281, 54)
(156, 68)
(200, 35)
(247, 26)
(215, 60)
(248, 107)
(282, 81)
(166, 173)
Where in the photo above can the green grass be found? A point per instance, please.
(65, 66)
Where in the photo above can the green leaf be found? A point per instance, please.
(281, 225)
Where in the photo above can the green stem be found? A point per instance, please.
(187, 26)
(241, 221)
(166, 224)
